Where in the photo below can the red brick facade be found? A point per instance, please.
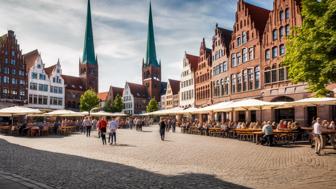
(203, 77)
(151, 78)
(13, 77)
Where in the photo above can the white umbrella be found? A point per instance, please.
(101, 113)
(18, 110)
(189, 110)
(64, 113)
(215, 107)
(313, 102)
(119, 114)
(250, 104)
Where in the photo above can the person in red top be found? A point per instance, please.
(102, 128)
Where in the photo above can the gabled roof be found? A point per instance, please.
(226, 36)
(50, 69)
(193, 60)
(74, 83)
(117, 90)
(30, 59)
(259, 16)
(102, 96)
(174, 85)
(137, 90)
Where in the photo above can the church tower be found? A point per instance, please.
(88, 66)
(151, 68)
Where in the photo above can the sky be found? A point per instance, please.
(56, 28)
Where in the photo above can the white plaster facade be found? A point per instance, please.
(128, 100)
(45, 90)
(187, 85)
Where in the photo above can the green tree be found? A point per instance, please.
(108, 106)
(118, 104)
(311, 50)
(152, 106)
(89, 100)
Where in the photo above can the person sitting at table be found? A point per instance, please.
(332, 125)
(274, 125)
(282, 125)
(22, 128)
(325, 124)
(267, 130)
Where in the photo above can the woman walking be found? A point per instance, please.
(162, 129)
(102, 129)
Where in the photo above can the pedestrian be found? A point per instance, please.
(87, 126)
(162, 128)
(173, 125)
(57, 124)
(102, 129)
(113, 126)
(317, 136)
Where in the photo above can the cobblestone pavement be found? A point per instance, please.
(141, 160)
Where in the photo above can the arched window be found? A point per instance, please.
(282, 15)
(287, 13)
(275, 34)
(245, 57)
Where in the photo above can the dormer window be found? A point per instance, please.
(39, 66)
(58, 71)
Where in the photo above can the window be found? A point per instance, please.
(233, 83)
(39, 66)
(14, 82)
(281, 74)
(233, 60)
(282, 15)
(5, 91)
(6, 60)
(238, 58)
(34, 75)
(6, 79)
(238, 41)
(287, 30)
(275, 34)
(33, 86)
(13, 62)
(13, 72)
(226, 90)
(287, 13)
(274, 75)
(42, 76)
(14, 92)
(282, 49)
(282, 31)
(267, 76)
(244, 40)
(6, 70)
(22, 93)
(250, 79)
(239, 82)
(251, 53)
(225, 67)
(244, 80)
(267, 54)
(245, 58)
(274, 52)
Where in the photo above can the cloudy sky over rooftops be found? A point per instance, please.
(56, 29)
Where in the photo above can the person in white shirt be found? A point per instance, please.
(113, 126)
(268, 133)
(317, 136)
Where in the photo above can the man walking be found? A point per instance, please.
(162, 129)
(113, 126)
(317, 136)
(87, 126)
(102, 128)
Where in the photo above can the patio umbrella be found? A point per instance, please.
(214, 108)
(313, 102)
(101, 113)
(64, 113)
(119, 114)
(18, 110)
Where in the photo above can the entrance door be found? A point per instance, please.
(311, 114)
(287, 114)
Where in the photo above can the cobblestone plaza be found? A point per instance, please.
(141, 160)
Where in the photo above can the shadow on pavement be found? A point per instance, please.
(68, 171)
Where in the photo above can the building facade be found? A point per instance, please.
(220, 65)
(203, 77)
(45, 85)
(172, 97)
(13, 76)
(187, 88)
(135, 98)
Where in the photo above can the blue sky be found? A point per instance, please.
(56, 28)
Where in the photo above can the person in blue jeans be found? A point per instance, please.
(113, 126)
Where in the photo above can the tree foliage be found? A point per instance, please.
(118, 104)
(89, 100)
(108, 106)
(311, 50)
(152, 106)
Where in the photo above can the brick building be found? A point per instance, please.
(13, 76)
(220, 65)
(203, 77)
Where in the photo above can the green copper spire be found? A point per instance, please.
(151, 52)
(88, 53)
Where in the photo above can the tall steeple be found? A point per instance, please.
(89, 56)
(151, 51)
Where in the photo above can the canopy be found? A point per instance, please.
(189, 111)
(313, 102)
(249, 104)
(214, 107)
(65, 113)
(18, 110)
(171, 111)
(119, 114)
(103, 113)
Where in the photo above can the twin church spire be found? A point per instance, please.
(89, 56)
